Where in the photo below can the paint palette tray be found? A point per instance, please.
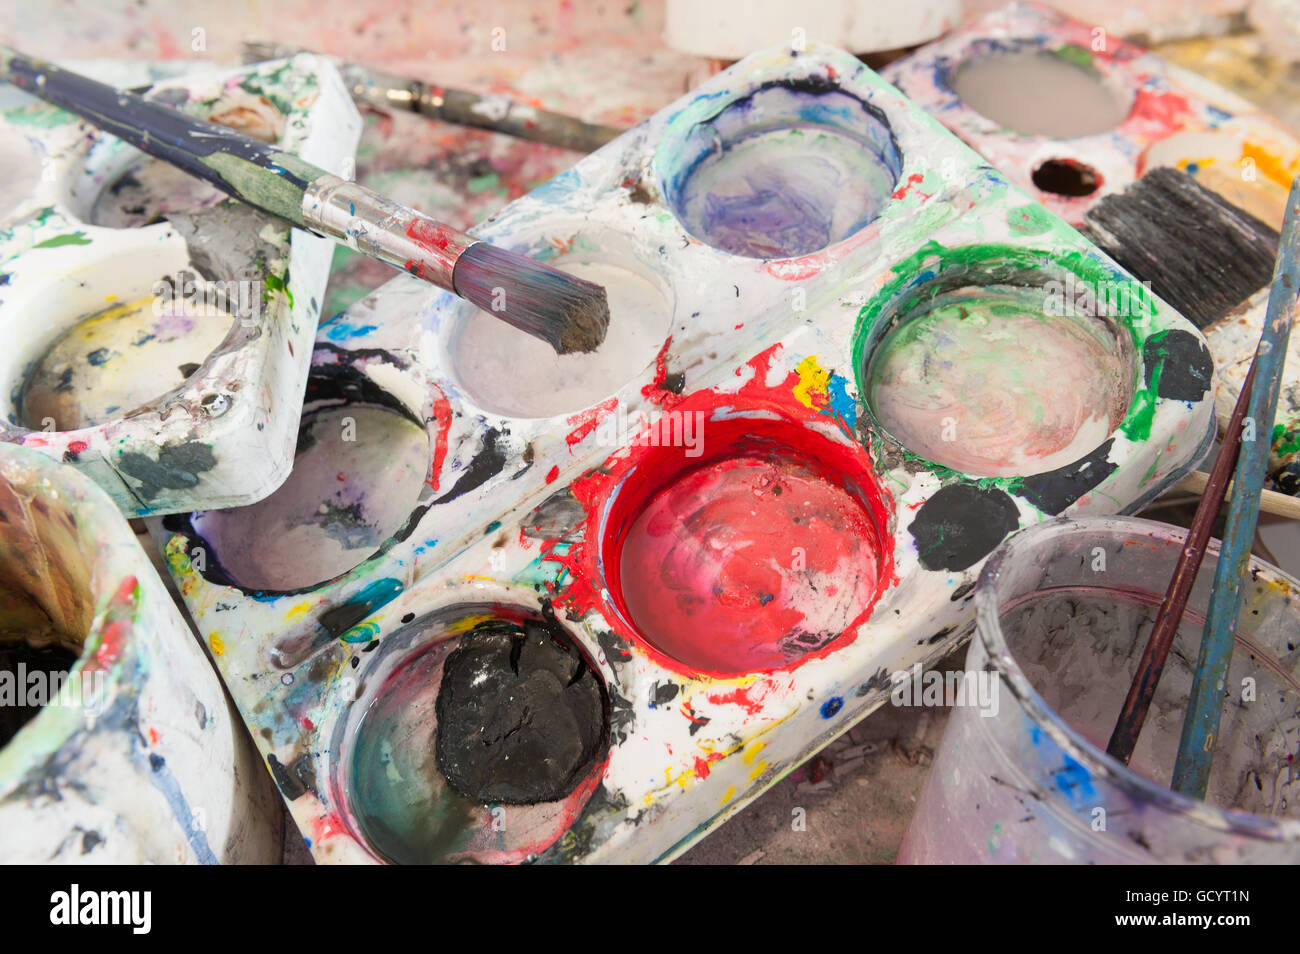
(117, 743)
(514, 607)
(1105, 111)
(161, 332)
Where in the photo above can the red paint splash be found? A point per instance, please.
(442, 416)
(553, 473)
(912, 182)
(584, 422)
(750, 698)
(119, 621)
(1157, 115)
(657, 392)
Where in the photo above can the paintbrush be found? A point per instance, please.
(1123, 739)
(1201, 723)
(495, 113)
(566, 312)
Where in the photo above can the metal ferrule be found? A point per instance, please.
(383, 229)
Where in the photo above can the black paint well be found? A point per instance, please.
(520, 715)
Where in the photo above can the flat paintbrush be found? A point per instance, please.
(568, 313)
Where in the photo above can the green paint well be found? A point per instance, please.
(997, 263)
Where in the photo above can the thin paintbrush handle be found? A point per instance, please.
(494, 113)
(276, 182)
(1201, 723)
(1124, 737)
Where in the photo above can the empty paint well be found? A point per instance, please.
(510, 372)
(360, 466)
(763, 548)
(1064, 611)
(483, 735)
(786, 170)
(120, 359)
(996, 380)
(1058, 94)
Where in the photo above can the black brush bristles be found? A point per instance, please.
(566, 312)
(1199, 252)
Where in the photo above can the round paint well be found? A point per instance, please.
(510, 372)
(149, 190)
(526, 728)
(986, 380)
(121, 187)
(787, 170)
(119, 359)
(1040, 92)
(762, 549)
(357, 476)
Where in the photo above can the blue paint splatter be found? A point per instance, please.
(166, 783)
(341, 331)
(832, 706)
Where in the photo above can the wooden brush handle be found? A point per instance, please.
(250, 170)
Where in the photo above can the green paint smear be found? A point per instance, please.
(261, 187)
(276, 283)
(1077, 56)
(1031, 219)
(38, 116)
(483, 183)
(1286, 440)
(75, 238)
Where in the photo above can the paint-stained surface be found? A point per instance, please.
(175, 326)
(998, 83)
(740, 552)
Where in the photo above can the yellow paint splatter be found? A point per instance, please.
(811, 391)
(759, 769)
(218, 647)
(298, 609)
(752, 750)
(468, 623)
(731, 793)
(1270, 165)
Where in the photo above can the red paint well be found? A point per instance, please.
(711, 539)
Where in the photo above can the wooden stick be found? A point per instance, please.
(1270, 501)
(1201, 724)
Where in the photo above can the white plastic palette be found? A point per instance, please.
(445, 492)
(165, 407)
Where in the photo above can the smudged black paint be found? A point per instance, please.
(178, 467)
(487, 463)
(961, 524)
(1178, 364)
(1054, 491)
